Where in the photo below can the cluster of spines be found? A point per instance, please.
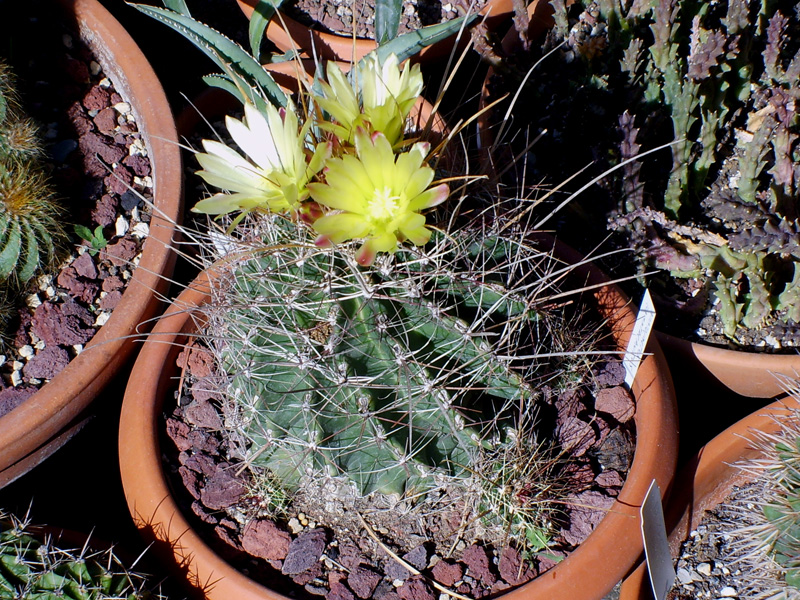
(29, 226)
(32, 567)
(397, 378)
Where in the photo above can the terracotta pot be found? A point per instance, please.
(287, 34)
(750, 374)
(706, 481)
(44, 422)
(588, 573)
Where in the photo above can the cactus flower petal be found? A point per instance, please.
(274, 168)
(378, 195)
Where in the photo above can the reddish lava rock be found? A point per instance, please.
(447, 573)
(222, 490)
(338, 590)
(304, 552)
(47, 363)
(263, 538)
(11, 397)
(122, 252)
(617, 402)
(106, 120)
(363, 581)
(202, 414)
(96, 98)
(67, 323)
(588, 509)
(477, 562)
(415, 589)
(512, 568)
(575, 434)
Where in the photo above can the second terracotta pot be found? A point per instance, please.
(48, 419)
(707, 481)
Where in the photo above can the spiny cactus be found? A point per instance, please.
(29, 228)
(397, 378)
(33, 568)
(765, 534)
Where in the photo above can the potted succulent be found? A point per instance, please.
(373, 357)
(717, 83)
(41, 563)
(47, 419)
(289, 35)
(751, 470)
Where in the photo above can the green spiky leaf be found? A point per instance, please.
(228, 55)
(387, 19)
(411, 43)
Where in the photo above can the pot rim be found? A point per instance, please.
(60, 402)
(577, 577)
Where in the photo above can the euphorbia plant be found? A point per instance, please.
(719, 82)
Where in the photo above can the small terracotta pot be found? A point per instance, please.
(750, 374)
(587, 574)
(45, 421)
(287, 34)
(706, 481)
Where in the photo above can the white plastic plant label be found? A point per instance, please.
(641, 333)
(656, 548)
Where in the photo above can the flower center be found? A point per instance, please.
(382, 205)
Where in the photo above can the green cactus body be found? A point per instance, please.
(34, 570)
(374, 376)
(29, 228)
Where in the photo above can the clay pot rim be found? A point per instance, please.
(284, 32)
(706, 481)
(29, 426)
(618, 535)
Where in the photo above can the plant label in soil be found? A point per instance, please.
(639, 337)
(656, 548)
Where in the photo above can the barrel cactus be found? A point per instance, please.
(29, 227)
(33, 568)
(410, 374)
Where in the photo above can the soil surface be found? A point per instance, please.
(336, 16)
(311, 554)
(101, 173)
(709, 564)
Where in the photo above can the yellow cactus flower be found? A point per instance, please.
(377, 195)
(275, 171)
(386, 99)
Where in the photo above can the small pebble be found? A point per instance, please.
(728, 592)
(704, 569)
(78, 348)
(26, 351)
(121, 226)
(16, 378)
(684, 576)
(102, 318)
(94, 67)
(122, 108)
(294, 525)
(105, 82)
(140, 230)
(397, 583)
